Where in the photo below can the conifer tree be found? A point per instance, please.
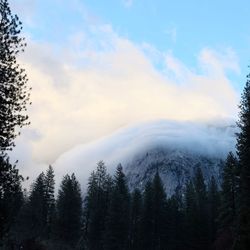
(227, 215)
(11, 197)
(228, 207)
(14, 95)
(69, 212)
(36, 220)
(213, 206)
(38, 211)
(50, 200)
(190, 213)
(96, 205)
(159, 213)
(243, 149)
(201, 218)
(147, 218)
(135, 219)
(196, 213)
(175, 223)
(117, 223)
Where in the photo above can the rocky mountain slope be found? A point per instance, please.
(175, 166)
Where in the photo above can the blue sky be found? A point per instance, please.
(182, 27)
(96, 66)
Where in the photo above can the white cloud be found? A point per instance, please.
(100, 82)
(215, 139)
(172, 33)
(217, 63)
(123, 145)
(127, 3)
(25, 9)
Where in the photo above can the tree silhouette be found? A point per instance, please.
(117, 223)
(69, 212)
(14, 97)
(96, 205)
(14, 94)
(243, 149)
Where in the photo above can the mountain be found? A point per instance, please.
(175, 167)
(176, 148)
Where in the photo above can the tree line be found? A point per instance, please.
(110, 216)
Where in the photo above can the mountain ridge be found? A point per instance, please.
(175, 166)
(195, 142)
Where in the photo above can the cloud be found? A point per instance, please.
(172, 33)
(80, 94)
(125, 144)
(213, 139)
(25, 9)
(96, 81)
(127, 3)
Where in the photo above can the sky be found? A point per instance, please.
(97, 66)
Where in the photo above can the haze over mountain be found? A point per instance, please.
(129, 144)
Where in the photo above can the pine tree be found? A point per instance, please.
(34, 224)
(11, 197)
(190, 214)
(135, 219)
(14, 95)
(227, 215)
(36, 220)
(228, 207)
(96, 205)
(69, 212)
(50, 200)
(159, 213)
(213, 206)
(243, 149)
(147, 218)
(196, 213)
(175, 222)
(201, 218)
(117, 223)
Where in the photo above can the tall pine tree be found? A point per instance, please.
(213, 207)
(36, 219)
(243, 151)
(14, 95)
(159, 213)
(69, 212)
(227, 215)
(10, 196)
(50, 200)
(201, 218)
(135, 220)
(175, 223)
(228, 209)
(190, 208)
(96, 205)
(147, 218)
(196, 206)
(117, 223)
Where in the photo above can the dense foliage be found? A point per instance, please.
(112, 217)
(14, 93)
(243, 151)
(14, 98)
